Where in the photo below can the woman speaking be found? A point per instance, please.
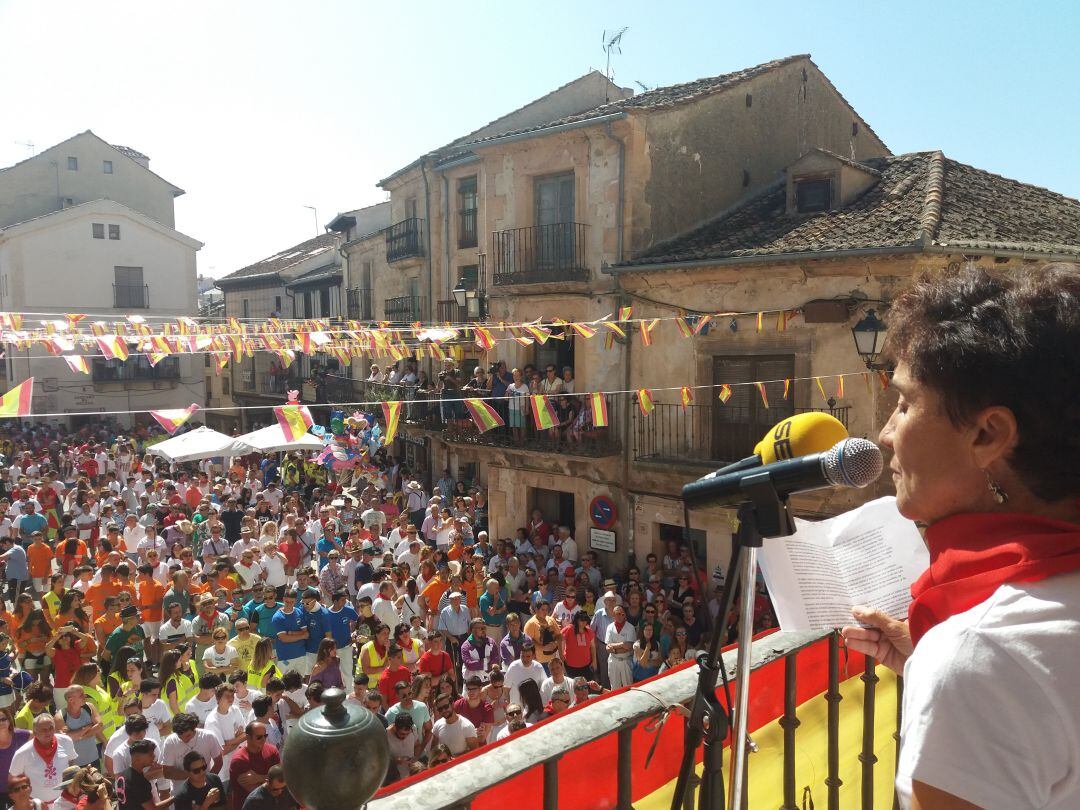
(986, 454)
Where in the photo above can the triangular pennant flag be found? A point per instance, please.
(484, 339)
(684, 327)
(583, 329)
(483, 415)
(543, 412)
(599, 409)
(624, 313)
(221, 359)
(17, 401)
(840, 387)
(761, 390)
(646, 331)
(821, 388)
(156, 357)
(392, 416)
(614, 327)
(171, 420)
(686, 395)
(866, 379)
(609, 340)
(113, 347)
(77, 363)
(725, 393)
(781, 320)
(787, 388)
(702, 324)
(294, 420)
(645, 401)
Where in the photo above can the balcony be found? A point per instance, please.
(405, 240)
(710, 435)
(541, 253)
(406, 309)
(358, 304)
(451, 312)
(131, 296)
(135, 368)
(467, 228)
(347, 389)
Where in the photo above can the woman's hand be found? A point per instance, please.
(887, 639)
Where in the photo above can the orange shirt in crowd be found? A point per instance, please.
(151, 592)
(105, 625)
(39, 557)
(434, 591)
(97, 593)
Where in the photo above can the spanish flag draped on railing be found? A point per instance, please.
(392, 415)
(16, 402)
(172, 419)
(483, 415)
(294, 420)
(543, 412)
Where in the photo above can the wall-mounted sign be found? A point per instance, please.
(601, 540)
(602, 512)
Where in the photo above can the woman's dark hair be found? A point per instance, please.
(530, 697)
(981, 338)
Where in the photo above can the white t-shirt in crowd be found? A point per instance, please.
(992, 701)
(453, 735)
(202, 708)
(45, 779)
(214, 658)
(174, 749)
(224, 727)
(517, 673)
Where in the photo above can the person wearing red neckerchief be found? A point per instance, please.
(984, 451)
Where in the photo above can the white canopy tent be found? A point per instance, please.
(271, 439)
(202, 442)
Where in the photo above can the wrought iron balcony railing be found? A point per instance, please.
(358, 304)
(406, 309)
(540, 253)
(131, 296)
(405, 239)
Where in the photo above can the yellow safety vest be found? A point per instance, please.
(186, 688)
(111, 718)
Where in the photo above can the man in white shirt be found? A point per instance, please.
(397, 535)
(452, 730)
(226, 723)
(187, 736)
(619, 639)
(246, 542)
(374, 520)
(45, 777)
(133, 532)
(525, 668)
(152, 540)
(410, 555)
(569, 545)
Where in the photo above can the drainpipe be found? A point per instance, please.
(446, 229)
(427, 218)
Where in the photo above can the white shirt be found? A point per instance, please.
(992, 701)
(453, 735)
(224, 727)
(211, 657)
(274, 566)
(613, 636)
(517, 673)
(173, 750)
(570, 549)
(548, 686)
(202, 709)
(44, 782)
(158, 714)
(384, 611)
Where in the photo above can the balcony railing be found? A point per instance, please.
(450, 312)
(405, 239)
(136, 367)
(540, 253)
(607, 741)
(467, 228)
(131, 296)
(704, 434)
(406, 309)
(358, 304)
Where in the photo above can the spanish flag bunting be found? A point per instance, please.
(483, 415)
(11, 320)
(156, 357)
(760, 321)
(646, 331)
(645, 401)
(320, 338)
(113, 347)
(703, 321)
(287, 356)
(73, 320)
(221, 359)
(16, 402)
(237, 346)
(625, 313)
(484, 339)
(160, 344)
(684, 327)
(524, 341)
(171, 420)
(392, 417)
(761, 390)
(303, 340)
(275, 324)
(543, 412)
(615, 328)
(77, 363)
(97, 328)
(599, 409)
(787, 388)
(821, 388)
(583, 329)
(883, 378)
(725, 393)
(840, 387)
(609, 340)
(866, 380)
(781, 320)
(294, 420)
(686, 395)
(540, 333)
(203, 342)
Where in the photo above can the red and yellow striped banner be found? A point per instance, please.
(483, 415)
(392, 416)
(599, 409)
(725, 393)
(294, 420)
(645, 401)
(761, 390)
(171, 420)
(17, 401)
(686, 395)
(543, 412)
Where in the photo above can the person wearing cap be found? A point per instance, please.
(129, 634)
(602, 619)
(415, 502)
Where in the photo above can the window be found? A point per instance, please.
(129, 292)
(813, 195)
(98, 230)
(244, 307)
(467, 212)
(106, 166)
(225, 385)
(410, 208)
(740, 423)
(114, 231)
(73, 164)
(277, 304)
(136, 367)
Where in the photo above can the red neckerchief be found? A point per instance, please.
(972, 555)
(46, 752)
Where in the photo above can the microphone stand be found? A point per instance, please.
(763, 513)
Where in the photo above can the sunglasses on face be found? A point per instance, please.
(197, 770)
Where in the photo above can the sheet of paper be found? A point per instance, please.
(868, 556)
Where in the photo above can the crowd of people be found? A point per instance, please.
(163, 630)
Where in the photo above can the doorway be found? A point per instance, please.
(556, 506)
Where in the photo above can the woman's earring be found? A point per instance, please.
(1000, 495)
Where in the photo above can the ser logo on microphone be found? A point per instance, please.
(782, 441)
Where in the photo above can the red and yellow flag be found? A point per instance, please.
(684, 327)
(113, 347)
(725, 393)
(583, 329)
(76, 362)
(392, 415)
(543, 412)
(614, 327)
(646, 331)
(484, 339)
(294, 420)
(703, 321)
(840, 387)
(883, 378)
(625, 313)
(599, 409)
(645, 401)
(171, 420)
(761, 390)
(483, 415)
(686, 395)
(787, 388)
(16, 402)
(760, 321)
(821, 388)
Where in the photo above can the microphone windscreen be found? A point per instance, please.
(800, 435)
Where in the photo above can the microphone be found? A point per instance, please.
(849, 463)
(798, 435)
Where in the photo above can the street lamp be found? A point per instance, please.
(469, 298)
(869, 335)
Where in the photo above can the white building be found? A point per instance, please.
(87, 228)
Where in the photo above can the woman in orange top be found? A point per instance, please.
(31, 638)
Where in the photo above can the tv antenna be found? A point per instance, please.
(644, 87)
(612, 44)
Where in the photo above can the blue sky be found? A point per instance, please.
(259, 109)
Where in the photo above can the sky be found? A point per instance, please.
(260, 109)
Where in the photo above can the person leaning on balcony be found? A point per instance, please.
(985, 437)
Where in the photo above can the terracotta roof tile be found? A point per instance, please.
(285, 259)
